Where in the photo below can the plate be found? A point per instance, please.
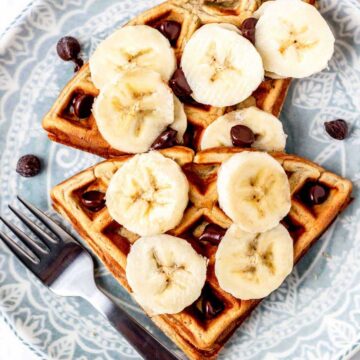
(315, 314)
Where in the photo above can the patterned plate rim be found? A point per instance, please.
(347, 353)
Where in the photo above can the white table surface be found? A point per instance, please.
(10, 346)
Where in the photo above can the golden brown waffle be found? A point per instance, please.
(199, 337)
(64, 127)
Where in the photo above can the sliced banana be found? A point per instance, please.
(293, 38)
(268, 130)
(253, 191)
(272, 75)
(131, 47)
(165, 273)
(228, 26)
(133, 110)
(148, 194)
(222, 67)
(180, 121)
(251, 266)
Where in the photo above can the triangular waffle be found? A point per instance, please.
(64, 127)
(197, 336)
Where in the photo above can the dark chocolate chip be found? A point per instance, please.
(78, 64)
(247, 29)
(213, 234)
(242, 136)
(211, 305)
(317, 194)
(190, 101)
(314, 194)
(179, 84)
(94, 200)
(68, 48)
(170, 29)
(82, 105)
(165, 140)
(28, 166)
(337, 129)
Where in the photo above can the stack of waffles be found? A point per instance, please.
(201, 328)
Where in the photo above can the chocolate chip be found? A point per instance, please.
(82, 105)
(68, 48)
(170, 29)
(213, 234)
(211, 305)
(78, 64)
(165, 140)
(28, 166)
(247, 29)
(179, 84)
(242, 136)
(94, 200)
(317, 194)
(337, 129)
(190, 101)
(314, 194)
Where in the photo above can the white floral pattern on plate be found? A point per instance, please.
(315, 314)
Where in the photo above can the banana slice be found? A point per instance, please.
(228, 26)
(251, 266)
(253, 191)
(222, 67)
(272, 75)
(268, 130)
(148, 194)
(132, 111)
(180, 121)
(165, 273)
(132, 47)
(293, 38)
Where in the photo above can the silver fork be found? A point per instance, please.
(67, 269)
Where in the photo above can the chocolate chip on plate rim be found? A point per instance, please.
(78, 64)
(28, 166)
(68, 49)
(337, 129)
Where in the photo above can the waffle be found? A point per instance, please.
(64, 127)
(199, 337)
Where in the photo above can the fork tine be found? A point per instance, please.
(30, 243)
(48, 240)
(29, 261)
(48, 222)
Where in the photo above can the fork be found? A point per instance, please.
(67, 268)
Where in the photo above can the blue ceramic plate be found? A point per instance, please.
(314, 315)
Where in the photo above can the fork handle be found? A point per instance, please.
(142, 340)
